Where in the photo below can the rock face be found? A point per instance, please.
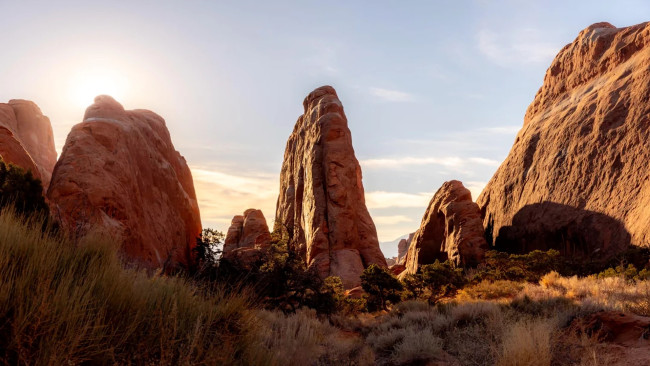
(26, 139)
(451, 229)
(321, 205)
(119, 172)
(576, 178)
(248, 232)
(403, 247)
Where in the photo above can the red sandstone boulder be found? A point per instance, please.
(26, 139)
(396, 269)
(451, 229)
(119, 172)
(321, 206)
(576, 178)
(247, 231)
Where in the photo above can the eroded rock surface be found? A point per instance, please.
(403, 248)
(321, 206)
(248, 233)
(119, 172)
(451, 229)
(576, 178)
(26, 139)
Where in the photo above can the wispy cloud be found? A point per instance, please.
(391, 220)
(381, 199)
(523, 46)
(389, 95)
(450, 162)
(501, 130)
(223, 195)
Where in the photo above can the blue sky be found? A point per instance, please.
(433, 90)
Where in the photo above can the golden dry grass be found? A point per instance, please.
(67, 304)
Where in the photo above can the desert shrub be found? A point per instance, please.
(518, 267)
(417, 348)
(488, 290)
(302, 339)
(527, 343)
(381, 286)
(20, 190)
(62, 303)
(441, 279)
(413, 285)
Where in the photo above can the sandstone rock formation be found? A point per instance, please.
(247, 237)
(119, 172)
(451, 229)
(576, 178)
(321, 206)
(26, 139)
(403, 248)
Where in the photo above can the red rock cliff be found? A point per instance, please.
(321, 203)
(119, 171)
(576, 178)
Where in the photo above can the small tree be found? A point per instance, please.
(442, 279)
(19, 188)
(381, 286)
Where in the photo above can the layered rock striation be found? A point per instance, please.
(119, 173)
(321, 206)
(26, 139)
(576, 178)
(451, 229)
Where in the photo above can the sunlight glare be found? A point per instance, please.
(91, 82)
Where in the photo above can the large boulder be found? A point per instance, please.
(119, 172)
(576, 178)
(451, 229)
(321, 206)
(26, 139)
(248, 234)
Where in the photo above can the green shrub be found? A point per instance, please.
(381, 286)
(19, 189)
(442, 279)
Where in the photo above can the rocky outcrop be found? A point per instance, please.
(119, 172)
(248, 237)
(321, 207)
(451, 229)
(576, 178)
(403, 248)
(26, 139)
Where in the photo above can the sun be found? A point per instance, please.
(87, 83)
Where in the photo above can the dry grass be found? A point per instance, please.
(304, 339)
(490, 290)
(65, 304)
(615, 293)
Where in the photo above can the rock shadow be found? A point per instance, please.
(574, 232)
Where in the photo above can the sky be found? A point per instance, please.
(433, 90)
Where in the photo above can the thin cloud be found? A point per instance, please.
(223, 195)
(389, 95)
(450, 162)
(391, 220)
(524, 46)
(501, 130)
(382, 199)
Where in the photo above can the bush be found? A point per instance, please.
(442, 279)
(518, 267)
(381, 286)
(19, 189)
